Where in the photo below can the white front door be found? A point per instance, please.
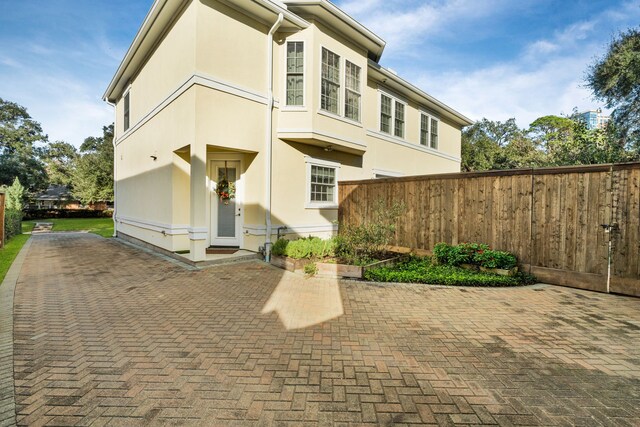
(226, 214)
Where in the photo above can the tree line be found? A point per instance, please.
(552, 140)
(30, 160)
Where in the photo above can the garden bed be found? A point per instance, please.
(331, 268)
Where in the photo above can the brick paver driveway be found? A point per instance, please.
(107, 334)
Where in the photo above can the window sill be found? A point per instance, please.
(320, 206)
(294, 108)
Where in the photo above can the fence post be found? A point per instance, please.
(2, 234)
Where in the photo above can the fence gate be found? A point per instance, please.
(625, 230)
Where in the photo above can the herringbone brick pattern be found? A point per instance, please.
(107, 335)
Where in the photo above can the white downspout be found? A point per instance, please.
(268, 137)
(115, 162)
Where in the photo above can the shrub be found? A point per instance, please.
(420, 270)
(495, 259)
(279, 248)
(13, 209)
(307, 247)
(359, 244)
(310, 269)
(473, 253)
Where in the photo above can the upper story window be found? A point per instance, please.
(295, 73)
(399, 122)
(385, 113)
(434, 133)
(392, 115)
(428, 131)
(330, 86)
(126, 111)
(352, 94)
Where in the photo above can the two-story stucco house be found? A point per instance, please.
(282, 99)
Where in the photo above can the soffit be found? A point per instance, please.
(397, 84)
(339, 21)
(159, 19)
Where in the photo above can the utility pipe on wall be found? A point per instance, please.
(268, 137)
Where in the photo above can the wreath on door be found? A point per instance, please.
(225, 190)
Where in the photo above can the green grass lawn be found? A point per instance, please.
(10, 252)
(100, 226)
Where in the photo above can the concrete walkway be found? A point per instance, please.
(105, 334)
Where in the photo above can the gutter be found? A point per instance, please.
(269, 137)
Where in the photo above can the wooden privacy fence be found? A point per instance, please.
(572, 226)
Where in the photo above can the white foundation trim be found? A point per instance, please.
(167, 229)
(395, 140)
(198, 233)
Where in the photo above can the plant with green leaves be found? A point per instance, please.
(360, 244)
(306, 247)
(13, 209)
(495, 259)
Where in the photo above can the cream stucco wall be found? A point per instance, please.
(221, 114)
(170, 65)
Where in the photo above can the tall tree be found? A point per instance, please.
(93, 175)
(60, 159)
(21, 140)
(490, 145)
(615, 79)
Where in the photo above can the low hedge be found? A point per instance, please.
(30, 214)
(421, 270)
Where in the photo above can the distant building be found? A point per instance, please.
(594, 119)
(60, 197)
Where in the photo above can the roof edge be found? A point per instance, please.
(460, 118)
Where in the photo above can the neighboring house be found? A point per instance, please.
(284, 99)
(60, 197)
(594, 119)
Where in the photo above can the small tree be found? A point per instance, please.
(13, 209)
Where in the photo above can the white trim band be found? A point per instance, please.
(166, 229)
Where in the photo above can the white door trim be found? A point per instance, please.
(214, 164)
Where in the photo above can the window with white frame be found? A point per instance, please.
(330, 84)
(352, 91)
(392, 115)
(428, 131)
(385, 113)
(295, 73)
(399, 121)
(434, 133)
(322, 183)
(424, 129)
(126, 111)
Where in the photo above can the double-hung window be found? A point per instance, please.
(424, 129)
(385, 113)
(428, 131)
(399, 121)
(352, 91)
(434, 133)
(295, 73)
(322, 183)
(126, 112)
(330, 86)
(392, 116)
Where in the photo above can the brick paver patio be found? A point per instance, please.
(109, 335)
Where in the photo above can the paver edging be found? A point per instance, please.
(7, 290)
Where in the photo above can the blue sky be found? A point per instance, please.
(486, 58)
